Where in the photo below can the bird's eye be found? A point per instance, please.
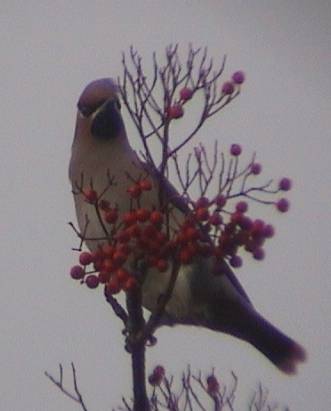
(86, 110)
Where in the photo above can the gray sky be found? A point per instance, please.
(50, 50)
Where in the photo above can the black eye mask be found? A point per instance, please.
(108, 122)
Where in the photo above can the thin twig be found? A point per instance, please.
(76, 396)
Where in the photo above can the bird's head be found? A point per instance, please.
(99, 109)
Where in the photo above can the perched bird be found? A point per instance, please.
(200, 297)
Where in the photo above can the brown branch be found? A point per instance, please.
(136, 347)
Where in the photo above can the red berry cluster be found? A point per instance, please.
(157, 376)
(213, 386)
(205, 233)
(176, 110)
(237, 79)
(139, 187)
(141, 234)
(285, 184)
(108, 268)
(137, 234)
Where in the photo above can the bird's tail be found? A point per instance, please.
(244, 322)
(284, 352)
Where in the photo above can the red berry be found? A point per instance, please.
(149, 231)
(104, 277)
(119, 258)
(230, 227)
(238, 77)
(212, 385)
(77, 272)
(97, 254)
(202, 214)
(189, 222)
(111, 216)
(108, 265)
(134, 191)
(259, 254)
(161, 265)
(220, 201)
(236, 261)
(242, 237)
(123, 248)
(228, 88)
(130, 284)
(191, 233)
(235, 149)
(142, 214)
(236, 217)
(145, 185)
(90, 196)
(193, 248)
(245, 223)
(215, 219)
(161, 237)
(113, 286)
(202, 202)
(185, 256)
(258, 241)
(85, 258)
(134, 231)
(268, 231)
(176, 111)
(152, 380)
(256, 168)
(257, 228)
(283, 205)
(122, 275)
(250, 245)
(92, 281)
(152, 247)
(157, 375)
(242, 206)
(129, 218)
(186, 93)
(159, 371)
(108, 250)
(285, 184)
(123, 236)
(156, 217)
(181, 238)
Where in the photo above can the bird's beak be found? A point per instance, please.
(107, 121)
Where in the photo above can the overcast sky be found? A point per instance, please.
(49, 51)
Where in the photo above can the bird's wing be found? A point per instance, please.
(179, 202)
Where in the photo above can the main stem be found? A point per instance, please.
(137, 349)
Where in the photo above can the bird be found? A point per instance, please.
(101, 149)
